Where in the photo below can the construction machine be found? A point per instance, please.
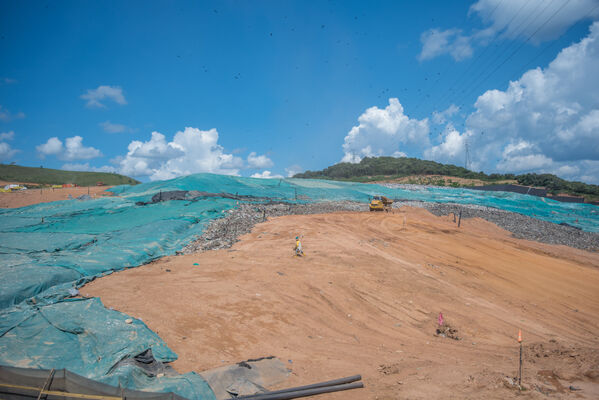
(380, 203)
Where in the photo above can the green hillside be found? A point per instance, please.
(387, 168)
(47, 176)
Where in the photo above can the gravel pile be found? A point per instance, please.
(224, 232)
(521, 226)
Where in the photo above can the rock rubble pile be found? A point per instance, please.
(521, 226)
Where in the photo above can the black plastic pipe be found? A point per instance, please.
(302, 393)
(333, 382)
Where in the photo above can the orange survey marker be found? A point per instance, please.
(520, 363)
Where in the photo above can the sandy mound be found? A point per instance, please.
(366, 299)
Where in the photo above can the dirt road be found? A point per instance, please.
(366, 299)
(22, 198)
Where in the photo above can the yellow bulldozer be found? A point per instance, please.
(380, 203)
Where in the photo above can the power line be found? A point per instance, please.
(553, 43)
(475, 81)
(464, 74)
(422, 99)
(517, 49)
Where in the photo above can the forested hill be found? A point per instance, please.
(372, 169)
(47, 176)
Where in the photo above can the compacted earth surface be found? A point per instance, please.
(27, 197)
(366, 300)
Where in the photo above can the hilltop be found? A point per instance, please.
(47, 176)
(414, 170)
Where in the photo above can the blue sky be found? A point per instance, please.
(159, 89)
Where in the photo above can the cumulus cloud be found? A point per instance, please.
(293, 169)
(114, 128)
(191, 151)
(266, 174)
(382, 131)
(451, 149)
(256, 161)
(451, 41)
(73, 149)
(6, 151)
(555, 109)
(52, 147)
(94, 97)
(546, 121)
(539, 20)
(6, 115)
(522, 156)
(441, 117)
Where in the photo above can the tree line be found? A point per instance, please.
(377, 168)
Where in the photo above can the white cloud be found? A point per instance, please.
(6, 152)
(555, 109)
(451, 41)
(7, 81)
(95, 96)
(521, 18)
(114, 128)
(6, 115)
(255, 161)
(522, 156)
(7, 135)
(73, 149)
(87, 167)
(293, 169)
(52, 147)
(442, 116)
(546, 121)
(266, 174)
(381, 132)
(452, 148)
(191, 151)
(539, 20)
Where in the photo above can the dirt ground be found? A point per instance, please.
(22, 198)
(366, 299)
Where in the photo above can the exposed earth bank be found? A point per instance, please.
(22, 198)
(366, 299)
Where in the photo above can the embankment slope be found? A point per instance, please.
(366, 300)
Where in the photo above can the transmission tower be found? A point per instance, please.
(467, 161)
